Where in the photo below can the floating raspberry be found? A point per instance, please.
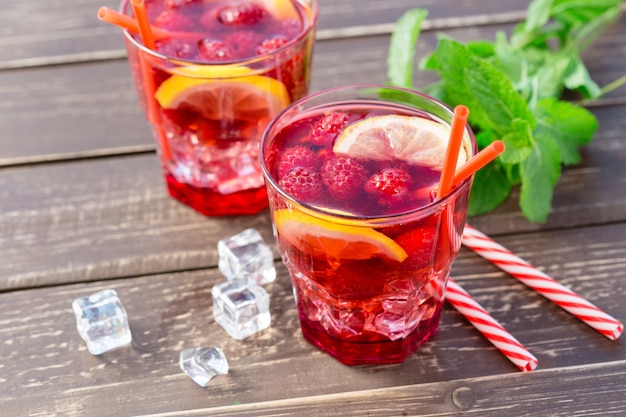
(174, 21)
(242, 14)
(326, 129)
(176, 48)
(419, 244)
(303, 184)
(390, 186)
(297, 157)
(244, 42)
(344, 177)
(271, 44)
(215, 51)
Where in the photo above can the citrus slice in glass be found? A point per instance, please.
(211, 71)
(281, 9)
(250, 98)
(324, 238)
(412, 139)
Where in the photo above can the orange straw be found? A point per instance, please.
(126, 22)
(141, 26)
(459, 121)
(130, 24)
(139, 8)
(479, 160)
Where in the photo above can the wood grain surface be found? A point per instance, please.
(276, 369)
(83, 207)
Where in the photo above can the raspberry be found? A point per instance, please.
(271, 44)
(326, 129)
(213, 50)
(419, 245)
(303, 184)
(297, 157)
(174, 21)
(176, 48)
(391, 186)
(244, 42)
(242, 14)
(344, 177)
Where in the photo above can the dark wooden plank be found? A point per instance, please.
(45, 361)
(111, 217)
(46, 112)
(102, 218)
(37, 32)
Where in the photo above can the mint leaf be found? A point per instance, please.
(518, 142)
(481, 49)
(489, 189)
(570, 127)
(453, 59)
(537, 15)
(499, 101)
(402, 48)
(539, 173)
(578, 79)
(551, 75)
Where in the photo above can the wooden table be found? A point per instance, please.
(83, 208)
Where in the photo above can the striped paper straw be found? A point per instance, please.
(489, 327)
(542, 283)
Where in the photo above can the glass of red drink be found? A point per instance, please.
(219, 71)
(352, 176)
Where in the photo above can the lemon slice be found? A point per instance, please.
(211, 71)
(250, 98)
(321, 237)
(281, 9)
(415, 140)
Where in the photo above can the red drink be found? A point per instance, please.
(220, 72)
(351, 181)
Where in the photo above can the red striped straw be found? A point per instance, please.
(542, 283)
(489, 327)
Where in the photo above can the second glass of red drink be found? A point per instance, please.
(219, 71)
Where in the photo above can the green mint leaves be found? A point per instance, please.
(513, 88)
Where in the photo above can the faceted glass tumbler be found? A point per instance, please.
(241, 307)
(102, 321)
(246, 255)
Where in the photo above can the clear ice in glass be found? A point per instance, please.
(241, 307)
(202, 364)
(102, 321)
(246, 255)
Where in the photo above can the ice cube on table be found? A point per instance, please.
(241, 307)
(202, 364)
(246, 255)
(102, 321)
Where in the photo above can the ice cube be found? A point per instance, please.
(241, 307)
(202, 364)
(246, 255)
(102, 321)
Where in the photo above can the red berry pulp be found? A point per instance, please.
(208, 134)
(378, 309)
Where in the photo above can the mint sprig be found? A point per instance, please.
(513, 88)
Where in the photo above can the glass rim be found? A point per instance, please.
(312, 24)
(318, 211)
